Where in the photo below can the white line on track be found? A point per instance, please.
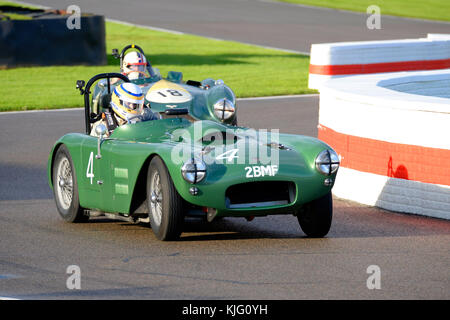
(239, 99)
(39, 111)
(8, 298)
(144, 26)
(279, 97)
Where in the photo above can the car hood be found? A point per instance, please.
(213, 141)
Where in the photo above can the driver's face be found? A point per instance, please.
(134, 67)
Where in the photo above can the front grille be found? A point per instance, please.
(260, 194)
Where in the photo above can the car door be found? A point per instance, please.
(120, 171)
(92, 183)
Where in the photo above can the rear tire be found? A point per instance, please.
(165, 205)
(315, 217)
(65, 187)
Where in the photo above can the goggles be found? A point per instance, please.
(131, 105)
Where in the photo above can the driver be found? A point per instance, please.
(127, 104)
(134, 65)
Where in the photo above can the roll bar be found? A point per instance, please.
(89, 115)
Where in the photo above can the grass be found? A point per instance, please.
(429, 9)
(13, 16)
(249, 70)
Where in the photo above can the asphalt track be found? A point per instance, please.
(261, 22)
(268, 258)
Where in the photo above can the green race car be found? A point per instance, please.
(177, 165)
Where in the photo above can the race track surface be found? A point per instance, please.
(267, 258)
(260, 22)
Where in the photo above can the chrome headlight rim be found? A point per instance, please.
(193, 170)
(327, 162)
(224, 109)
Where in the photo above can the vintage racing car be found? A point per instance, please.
(206, 100)
(163, 170)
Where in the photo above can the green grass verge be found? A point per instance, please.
(13, 16)
(249, 70)
(429, 9)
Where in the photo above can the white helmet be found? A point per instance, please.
(134, 65)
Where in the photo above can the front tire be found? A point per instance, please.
(165, 205)
(65, 187)
(315, 217)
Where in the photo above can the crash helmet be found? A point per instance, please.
(134, 65)
(127, 100)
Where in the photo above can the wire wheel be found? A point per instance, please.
(64, 184)
(65, 188)
(156, 198)
(165, 205)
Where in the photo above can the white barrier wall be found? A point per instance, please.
(392, 131)
(334, 60)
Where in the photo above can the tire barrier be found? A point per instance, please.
(44, 39)
(391, 129)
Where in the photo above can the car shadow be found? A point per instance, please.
(198, 229)
(350, 220)
(240, 228)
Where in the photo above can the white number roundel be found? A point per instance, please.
(167, 92)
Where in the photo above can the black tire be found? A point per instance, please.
(65, 187)
(315, 217)
(165, 205)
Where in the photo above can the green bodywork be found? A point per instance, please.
(116, 182)
(111, 173)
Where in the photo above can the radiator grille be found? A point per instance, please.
(260, 194)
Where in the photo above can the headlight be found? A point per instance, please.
(224, 109)
(327, 162)
(193, 171)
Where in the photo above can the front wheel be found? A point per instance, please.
(165, 205)
(65, 188)
(315, 217)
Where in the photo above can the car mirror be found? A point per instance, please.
(115, 53)
(100, 130)
(80, 86)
